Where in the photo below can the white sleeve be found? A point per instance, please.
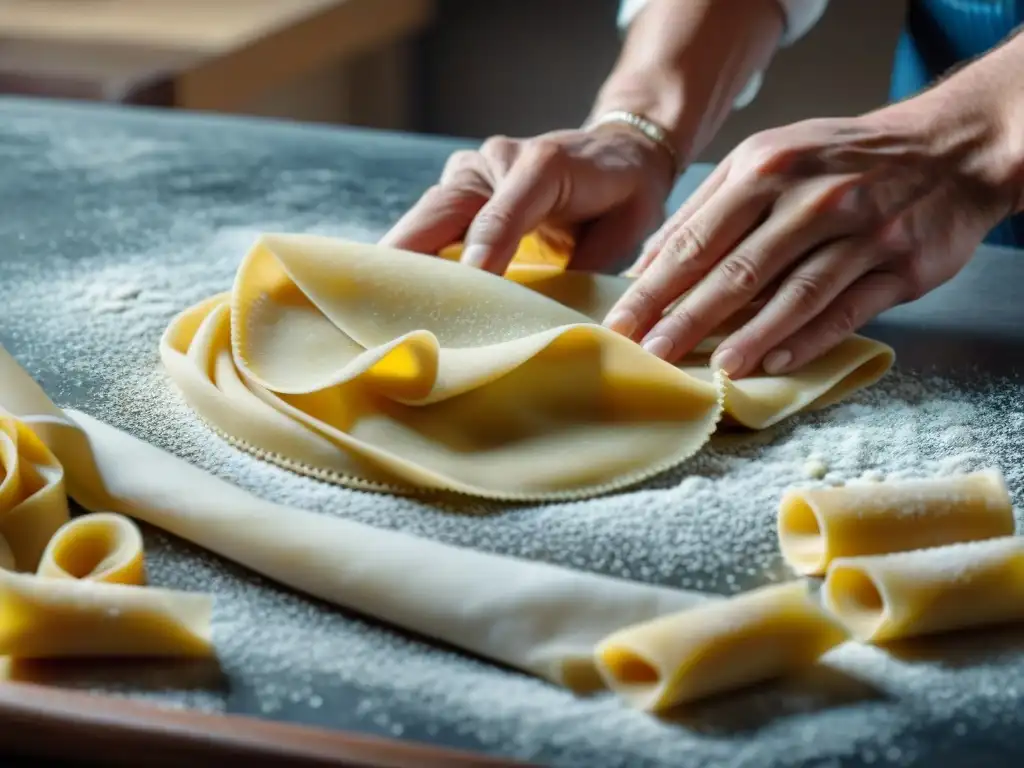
(800, 18)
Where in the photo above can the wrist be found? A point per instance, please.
(683, 64)
(656, 94)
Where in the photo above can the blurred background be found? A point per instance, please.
(467, 68)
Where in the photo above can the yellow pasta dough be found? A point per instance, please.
(815, 526)
(718, 646)
(536, 617)
(392, 371)
(33, 504)
(85, 598)
(889, 597)
(44, 617)
(99, 547)
(546, 248)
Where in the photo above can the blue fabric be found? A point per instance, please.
(940, 34)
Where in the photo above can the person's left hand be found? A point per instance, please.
(825, 224)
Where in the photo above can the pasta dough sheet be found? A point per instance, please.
(817, 526)
(889, 597)
(390, 371)
(85, 598)
(536, 617)
(718, 646)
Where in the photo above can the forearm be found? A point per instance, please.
(683, 64)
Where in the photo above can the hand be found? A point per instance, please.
(822, 225)
(611, 180)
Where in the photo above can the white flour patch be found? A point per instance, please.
(94, 328)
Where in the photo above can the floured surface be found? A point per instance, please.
(95, 260)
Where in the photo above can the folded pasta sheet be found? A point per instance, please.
(85, 598)
(533, 616)
(889, 597)
(718, 646)
(44, 617)
(392, 371)
(818, 525)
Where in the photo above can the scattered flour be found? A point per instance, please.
(710, 525)
(815, 468)
(87, 327)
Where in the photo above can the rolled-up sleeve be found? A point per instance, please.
(800, 17)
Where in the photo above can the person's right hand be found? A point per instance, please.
(607, 185)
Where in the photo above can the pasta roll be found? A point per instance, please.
(62, 617)
(816, 526)
(99, 547)
(33, 503)
(718, 646)
(889, 597)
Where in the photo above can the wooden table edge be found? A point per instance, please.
(41, 721)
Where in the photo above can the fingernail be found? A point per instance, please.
(727, 360)
(777, 362)
(659, 346)
(474, 255)
(622, 321)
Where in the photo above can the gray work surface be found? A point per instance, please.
(78, 181)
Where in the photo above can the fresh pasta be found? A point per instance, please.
(816, 526)
(718, 646)
(73, 587)
(384, 370)
(889, 597)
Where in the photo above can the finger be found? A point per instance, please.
(499, 153)
(438, 219)
(803, 295)
(443, 213)
(869, 296)
(690, 206)
(469, 169)
(684, 259)
(802, 220)
(611, 238)
(532, 191)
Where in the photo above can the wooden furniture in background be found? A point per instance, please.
(328, 60)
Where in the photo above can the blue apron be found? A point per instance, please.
(939, 34)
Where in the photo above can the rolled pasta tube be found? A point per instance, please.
(816, 526)
(62, 617)
(100, 547)
(717, 647)
(908, 594)
(33, 502)
(534, 616)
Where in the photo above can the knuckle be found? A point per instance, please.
(448, 196)
(894, 238)
(496, 145)
(678, 325)
(804, 292)
(680, 320)
(684, 246)
(844, 320)
(644, 298)
(460, 159)
(740, 274)
(915, 279)
(764, 154)
(490, 221)
(547, 152)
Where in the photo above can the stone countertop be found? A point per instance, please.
(83, 186)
